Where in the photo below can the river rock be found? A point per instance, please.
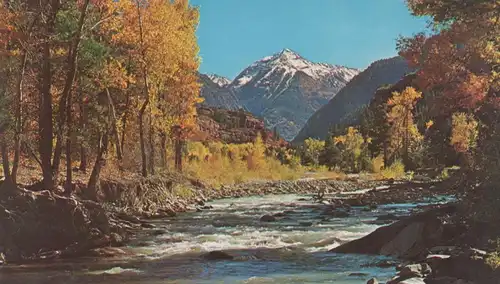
(335, 213)
(388, 217)
(382, 264)
(107, 252)
(267, 218)
(129, 218)
(372, 281)
(116, 239)
(443, 249)
(158, 232)
(218, 255)
(280, 214)
(415, 280)
(406, 238)
(469, 265)
(415, 270)
(147, 225)
(447, 280)
(358, 274)
(356, 202)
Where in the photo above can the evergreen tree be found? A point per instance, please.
(330, 155)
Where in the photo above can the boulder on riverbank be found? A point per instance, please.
(408, 238)
(41, 225)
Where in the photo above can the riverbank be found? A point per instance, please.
(48, 225)
(434, 246)
(229, 243)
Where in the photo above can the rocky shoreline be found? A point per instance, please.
(45, 225)
(433, 248)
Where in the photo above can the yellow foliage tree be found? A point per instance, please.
(464, 135)
(162, 46)
(352, 145)
(404, 135)
(256, 159)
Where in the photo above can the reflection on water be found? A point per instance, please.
(294, 249)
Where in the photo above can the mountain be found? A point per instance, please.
(356, 94)
(216, 93)
(286, 89)
(219, 80)
(229, 126)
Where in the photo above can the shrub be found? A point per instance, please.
(493, 260)
(445, 174)
(394, 171)
(377, 164)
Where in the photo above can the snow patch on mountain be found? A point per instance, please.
(286, 64)
(219, 80)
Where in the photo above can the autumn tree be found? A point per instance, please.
(464, 135)
(256, 159)
(460, 63)
(353, 150)
(162, 45)
(404, 135)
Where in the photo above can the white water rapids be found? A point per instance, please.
(293, 249)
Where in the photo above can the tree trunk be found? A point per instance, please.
(69, 170)
(45, 125)
(5, 158)
(116, 138)
(83, 127)
(142, 141)
(178, 154)
(93, 184)
(63, 103)
(146, 95)
(406, 159)
(18, 118)
(124, 123)
(163, 152)
(151, 146)
(45, 119)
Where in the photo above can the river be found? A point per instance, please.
(293, 249)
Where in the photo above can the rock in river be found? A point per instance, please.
(218, 255)
(267, 218)
(407, 238)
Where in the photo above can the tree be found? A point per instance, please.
(161, 42)
(404, 134)
(460, 62)
(353, 150)
(256, 158)
(464, 135)
(330, 154)
(312, 151)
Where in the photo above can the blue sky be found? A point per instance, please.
(234, 33)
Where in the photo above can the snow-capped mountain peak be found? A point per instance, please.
(286, 89)
(219, 80)
(286, 64)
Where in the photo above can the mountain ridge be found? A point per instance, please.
(358, 92)
(285, 89)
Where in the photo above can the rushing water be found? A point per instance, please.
(293, 249)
